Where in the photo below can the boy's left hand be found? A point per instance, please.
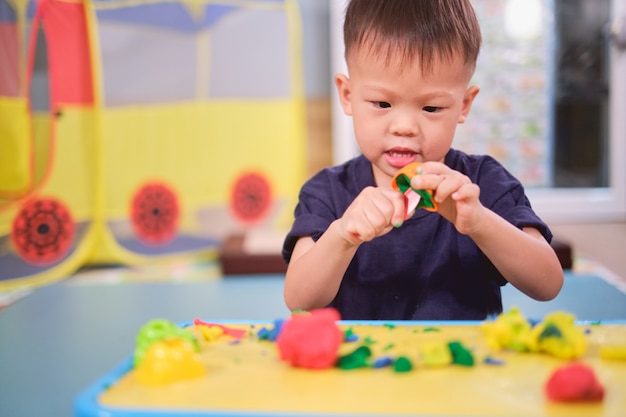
(455, 193)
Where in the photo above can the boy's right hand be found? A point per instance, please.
(374, 212)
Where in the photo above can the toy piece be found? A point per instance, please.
(169, 360)
(574, 382)
(349, 336)
(436, 354)
(613, 352)
(490, 360)
(311, 340)
(460, 354)
(402, 364)
(558, 335)
(271, 334)
(210, 333)
(356, 359)
(236, 333)
(509, 330)
(157, 330)
(412, 198)
(382, 362)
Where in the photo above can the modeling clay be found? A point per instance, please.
(509, 330)
(349, 336)
(356, 359)
(157, 330)
(169, 360)
(382, 362)
(402, 364)
(210, 334)
(431, 329)
(613, 352)
(574, 382)
(490, 360)
(412, 198)
(236, 333)
(436, 354)
(460, 354)
(311, 340)
(558, 335)
(271, 334)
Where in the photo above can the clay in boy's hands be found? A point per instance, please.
(413, 198)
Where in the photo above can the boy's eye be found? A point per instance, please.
(430, 109)
(382, 104)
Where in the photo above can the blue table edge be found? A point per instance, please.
(86, 403)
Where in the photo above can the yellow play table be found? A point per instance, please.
(247, 378)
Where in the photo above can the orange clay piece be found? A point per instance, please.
(402, 182)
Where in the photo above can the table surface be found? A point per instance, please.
(63, 337)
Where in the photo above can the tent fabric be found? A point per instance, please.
(157, 143)
(69, 59)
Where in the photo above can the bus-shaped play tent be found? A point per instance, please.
(132, 131)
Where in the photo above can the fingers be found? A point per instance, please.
(373, 213)
(466, 192)
(442, 180)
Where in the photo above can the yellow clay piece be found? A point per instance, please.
(613, 352)
(168, 361)
(510, 330)
(558, 336)
(210, 333)
(436, 354)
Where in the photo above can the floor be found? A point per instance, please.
(601, 243)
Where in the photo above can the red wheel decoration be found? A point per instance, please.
(154, 214)
(43, 231)
(251, 198)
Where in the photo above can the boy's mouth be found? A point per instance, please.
(399, 158)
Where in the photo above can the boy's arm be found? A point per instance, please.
(523, 257)
(316, 269)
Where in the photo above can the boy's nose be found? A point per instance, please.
(404, 124)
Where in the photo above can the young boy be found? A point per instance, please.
(351, 245)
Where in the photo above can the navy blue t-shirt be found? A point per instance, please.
(425, 269)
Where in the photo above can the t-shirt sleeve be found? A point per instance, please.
(313, 214)
(505, 195)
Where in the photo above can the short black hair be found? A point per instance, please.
(409, 29)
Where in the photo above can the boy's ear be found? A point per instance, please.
(342, 82)
(468, 99)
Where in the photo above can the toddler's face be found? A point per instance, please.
(401, 115)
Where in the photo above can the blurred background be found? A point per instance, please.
(140, 133)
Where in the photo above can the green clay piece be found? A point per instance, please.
(551, 330)
(357, 359)
(157, 330)
(390, 326)
(388, 347)
(461, 355)
(402, 364)
(369, 341)
(431, 329)
(404, 183)
(350, 336)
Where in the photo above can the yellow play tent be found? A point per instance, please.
(141, 130)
